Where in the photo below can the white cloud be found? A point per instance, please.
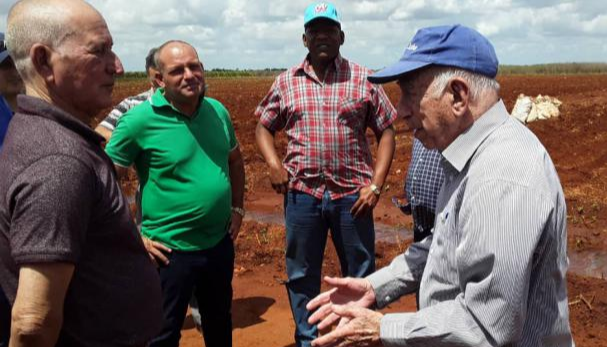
(260, 34)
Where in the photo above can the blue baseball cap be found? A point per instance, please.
(452, 45)
(3, 49)
(321, 10)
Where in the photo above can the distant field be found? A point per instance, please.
(541, 69)
(554, 69)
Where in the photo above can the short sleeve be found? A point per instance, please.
(229, 128)
(51, 203)
(123, 147)
(382, 113)
(269, 109)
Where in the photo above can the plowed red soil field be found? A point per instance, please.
(576, 141)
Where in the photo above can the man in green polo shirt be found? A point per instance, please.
(192, 180)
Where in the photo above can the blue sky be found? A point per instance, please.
(253, 34)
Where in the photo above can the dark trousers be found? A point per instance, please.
(207, 274)
(5, 319)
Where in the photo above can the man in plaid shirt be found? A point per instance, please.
(424, 179)
(325, 104)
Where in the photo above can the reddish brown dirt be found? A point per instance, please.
(577, 143)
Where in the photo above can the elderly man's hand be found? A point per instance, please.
(355, 291)
(156, 251)
(360, 328)
(366, 202)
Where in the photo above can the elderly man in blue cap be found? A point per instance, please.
(494, 267)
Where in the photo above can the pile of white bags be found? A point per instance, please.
(528, 109)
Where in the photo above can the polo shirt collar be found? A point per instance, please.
(159, 101)
(459, 152)
(30, 105)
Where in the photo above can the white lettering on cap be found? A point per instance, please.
(322, 7)
(412, 47)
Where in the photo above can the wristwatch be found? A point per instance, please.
(239, 210)
(375, 189)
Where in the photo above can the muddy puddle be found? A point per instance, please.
(383, 232)
(585, 263)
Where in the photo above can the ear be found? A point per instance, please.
(158, 79)
(304, 39)
(342, 36)
(40, 56)
(460, 90)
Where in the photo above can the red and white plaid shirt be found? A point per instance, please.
(325, 123)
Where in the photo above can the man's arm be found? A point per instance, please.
(237, 181)
(37, 315)
(385, 152)
(105, 132)
(279, 177)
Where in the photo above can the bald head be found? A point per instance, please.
(181, 75)
(167, 49)
(47, 22)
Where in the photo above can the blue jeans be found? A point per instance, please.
(307, 221)
(208, 274)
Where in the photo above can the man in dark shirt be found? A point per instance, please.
(10, 86)
(72, 263)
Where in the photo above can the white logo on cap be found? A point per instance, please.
(322, 7)
(412, 47)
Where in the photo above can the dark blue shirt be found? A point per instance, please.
(5, 117)
(424, 179)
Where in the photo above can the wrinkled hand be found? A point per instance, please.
(355, 291)
(156, 251)
(361, 329)
(235, 225)
(279, 178)
(365, 203)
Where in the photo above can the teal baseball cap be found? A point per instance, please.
(319, 10)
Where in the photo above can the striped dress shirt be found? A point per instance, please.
(496, 262)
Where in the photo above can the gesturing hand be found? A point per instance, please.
(354, 291)
(361, 328)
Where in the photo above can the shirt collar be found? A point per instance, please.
(307, 68)
(459, 152)
(30, 105)
(158, 100)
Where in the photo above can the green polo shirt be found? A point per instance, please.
(182, 164)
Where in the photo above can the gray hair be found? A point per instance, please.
(479, 84)
(36, 21)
